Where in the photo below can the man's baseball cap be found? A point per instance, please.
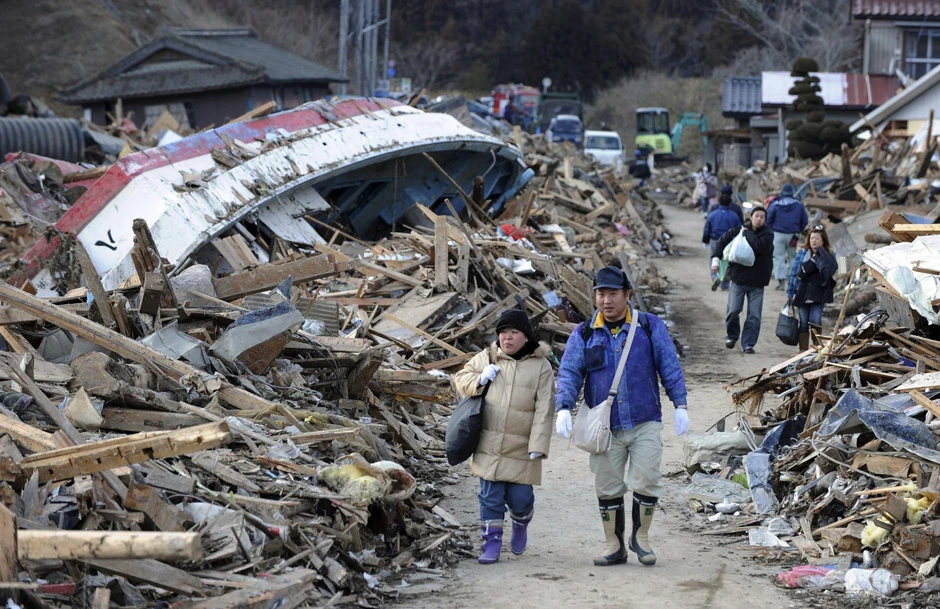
(612, 278)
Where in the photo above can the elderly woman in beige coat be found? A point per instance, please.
(517, 427)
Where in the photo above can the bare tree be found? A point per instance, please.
(796, 28)
(426, 60)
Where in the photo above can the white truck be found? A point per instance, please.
(606, 147)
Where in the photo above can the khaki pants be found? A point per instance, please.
(642, 446)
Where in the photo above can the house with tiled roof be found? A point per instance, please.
(202, 77)
(900, 35)
(761, 107)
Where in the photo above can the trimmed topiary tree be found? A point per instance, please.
(815, 137)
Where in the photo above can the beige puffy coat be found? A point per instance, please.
(517, 414)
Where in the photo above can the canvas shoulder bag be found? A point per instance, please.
(591, 431)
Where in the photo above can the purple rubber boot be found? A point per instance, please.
(492, 532)
(520, 534)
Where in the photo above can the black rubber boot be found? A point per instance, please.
(643, 510)
(614, 521)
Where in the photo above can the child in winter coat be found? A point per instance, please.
(517, 427)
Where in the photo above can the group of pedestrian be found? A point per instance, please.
(773, 235)
(631, 349)
(522, 399)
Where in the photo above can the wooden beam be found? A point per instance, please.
(926, 402)
(263, 110)
(268, 276)
(381, 270)
(101, 456)
(27, 436)
(8, 552)
(84, 545)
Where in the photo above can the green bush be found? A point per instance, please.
(804, 65)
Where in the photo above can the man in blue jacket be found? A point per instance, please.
(719, 222)
(590, 362)
(787, 217)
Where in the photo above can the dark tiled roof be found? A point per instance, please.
(895, 9)
(741, 97)
(197, 60)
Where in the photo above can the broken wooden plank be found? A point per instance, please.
(8, 549)
(422, 333)
(268, 276)
(136, 420)
(106, 455)
(325, 435)
(441, 253)
(85, 545)
(406, 279)
(211, 464)
(280, 592)
(93, 280)
(127, 347)
(150, 572)
(161, 515)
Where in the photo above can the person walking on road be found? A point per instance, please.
(748, 282)
(812, 281)
(640, 169)
(787, 217)
(707, 188)
(727, 190)
(517, 428)
(719, 222)
(590, 361)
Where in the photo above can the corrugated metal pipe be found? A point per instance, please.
(57, 138)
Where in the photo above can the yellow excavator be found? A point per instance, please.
(653, 132)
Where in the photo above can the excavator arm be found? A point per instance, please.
(689, 119)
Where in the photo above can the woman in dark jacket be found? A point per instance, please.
(811, 281)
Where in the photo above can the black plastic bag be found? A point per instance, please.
(788, 326)
(464, 428)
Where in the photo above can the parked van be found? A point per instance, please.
(566, 128)
(606, 147)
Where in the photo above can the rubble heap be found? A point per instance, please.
(274, 434)
(841, 469)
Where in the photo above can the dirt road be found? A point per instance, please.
(693, 570)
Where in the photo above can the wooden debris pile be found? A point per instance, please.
(271, 433)
(843, 466)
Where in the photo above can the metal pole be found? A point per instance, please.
(388, 33)
(374, 47)
(343, 43)
(359, 58)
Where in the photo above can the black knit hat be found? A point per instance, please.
(517, 320)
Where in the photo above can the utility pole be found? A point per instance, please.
(388, 35)
(360, 59)
(344, 42)
(361, 21)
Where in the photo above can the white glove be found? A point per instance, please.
(489, 373)
(704, 246)
(681, 421)
(534, 456)
(563, 423)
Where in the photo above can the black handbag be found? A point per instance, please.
(464, 428)
(788, 326)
